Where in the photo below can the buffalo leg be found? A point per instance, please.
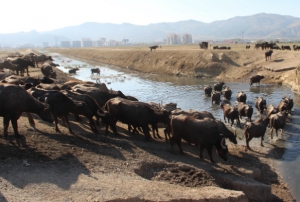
(271, 132)
(15, 126)
(56, 123)
(93, 125)
(201, 152)
(261, 141)
(281, 132)
(66, 118)
(30, 120)
(247, 141)
(27, 71)
(209, 151)
(5, 126)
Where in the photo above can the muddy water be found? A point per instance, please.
(188, 94)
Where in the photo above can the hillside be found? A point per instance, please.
(266, 26)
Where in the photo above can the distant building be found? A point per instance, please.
(76, 44)
(112, 43)
(27, 45)
(187, 39)
(45, 44)
(173, 39)
(87, 42)
(125, 41)
(65, 44)
(100, 42)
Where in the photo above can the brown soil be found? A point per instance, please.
(48, 166)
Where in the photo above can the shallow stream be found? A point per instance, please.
(188, 93)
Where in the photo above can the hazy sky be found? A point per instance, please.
(46, 15)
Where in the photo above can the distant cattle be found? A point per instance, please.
(260, 45)
(241, 97)
(73, 71)
(269, 45)
(275, 47)
(268, 55)
(208, 90)
(296, 48)
(218, 86)
(41, 59)
(227, 92)
(260, 104)
(203, 45)
(95, 70)
(215, 47)
(215, 97)
(248, 47)
(256, 79)
(285, 47)
(153, 48)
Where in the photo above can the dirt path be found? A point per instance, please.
(48, 166)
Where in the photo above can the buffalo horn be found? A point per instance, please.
(223, 145)
(100, 114)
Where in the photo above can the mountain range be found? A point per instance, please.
(259, 26)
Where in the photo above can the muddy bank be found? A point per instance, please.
(229, 65)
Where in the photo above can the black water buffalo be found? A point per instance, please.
(100, 96)
(283, 105)
(227, 92)
(260, 45)
(271, 109)
(92, 106)
(215, 97)
(285, 47)
(41, 59)
(7, 65)
(218, 86)
(203, 45)
(256, 129)
(135, 113)
(207, 90)
(22, 65)
(153, 48)
(268, 55)
(269, 45)
(73, 71)
(277, 121)
(200, 132)
(290, 104)
(95, 70)
(230, 112)
(275, 47)
(256, 79)
(248, 47)
(14, 100)
(223, 47)
(48, 71)
(215, 47)
(296, 48)
(245, 110)
(260, 104)
(241, 97)
(60, 105)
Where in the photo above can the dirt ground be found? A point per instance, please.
(48, 166)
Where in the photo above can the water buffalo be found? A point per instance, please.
(203, 45)
(207, 90)
(248, 47)
(241, 97)
(48, 71)
(153, 48)
(22, 65)
(285, 47)
(260, 104)
(227, 92)
(95, 70)
(296, 48)
(256, 79)
(41, 59)
(200, 132)
(286, 103)
(277, 121)
(256, 129)
(14, 100)
(245, 110)
(60, 105)
(275, 47)
(271, 109)
(135, 113)
(268, 55)
(215, 47)
(230, 112)
(218, 86)
(73, 71)
(7, 65)
(215, 97)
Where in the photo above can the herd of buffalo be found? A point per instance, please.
(51, 100)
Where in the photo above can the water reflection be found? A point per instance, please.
(188, 94)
